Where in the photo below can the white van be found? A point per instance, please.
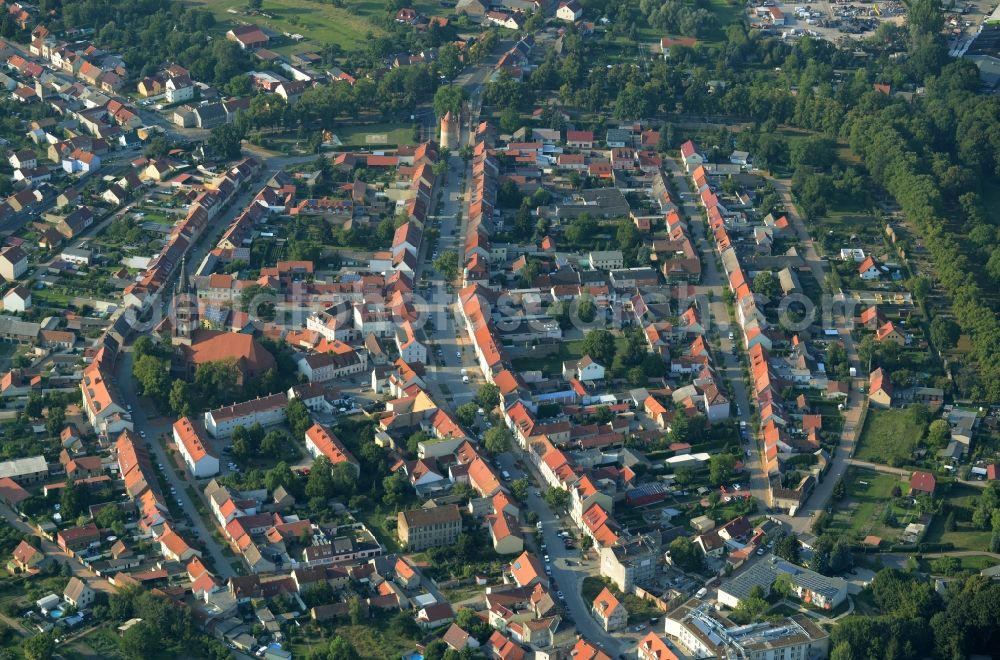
(506, 475)
(701, 593)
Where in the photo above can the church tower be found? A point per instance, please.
(185, 309)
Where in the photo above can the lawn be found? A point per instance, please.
(51, 297)
(861, 512)
(965, 564)
(375, 641)
(320, 23)
(552, 364)
(961, 500)
(379, 525)
(889, 436)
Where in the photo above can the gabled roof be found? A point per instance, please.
(652, 647)
(527, 569)
(605, 604)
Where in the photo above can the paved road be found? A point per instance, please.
(156, 429)
(565, 578)
(713, 283)
(443, 326)
(841, 320)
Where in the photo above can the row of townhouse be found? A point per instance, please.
(766, 383)
(482, 207)
(220, 192)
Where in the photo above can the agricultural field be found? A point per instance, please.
(889, 436)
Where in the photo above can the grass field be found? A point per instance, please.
(319, 23)
(861, 512)
(374, 641)
(961, 500)
(965, 564)
(375, 135)
(889, 436)
(552, 364)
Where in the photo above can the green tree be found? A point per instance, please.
(140, 641)
(751, 608)
(765, 284)
(556, 498)
(280, 475)
(152, 375)
(436, 650)
(520, 488)
(181, 398)
(497, 440)
(586, 310)
(72, 501)
(320, 484)
(721, 467)
(34, 406)
(243, 444)
(258, 301)
(600, 346)
(783, 586)
(55, 420)
(787, 547)
(447, 264)
(298, 417)
(39, 647)
(224, 141)
(686, 555)
(938, 433)
(394, 490)
(277, 444)
(488, 396)
(404, 626)
(839, 490)
(449, 98)
(945, 332)
(111, 517)
(466, 414)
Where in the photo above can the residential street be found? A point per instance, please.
(713, 282)
(565, 578)
(157, 429)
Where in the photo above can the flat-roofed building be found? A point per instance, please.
(706, 633)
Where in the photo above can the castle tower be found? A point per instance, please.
(449, 131)
(185, 309)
